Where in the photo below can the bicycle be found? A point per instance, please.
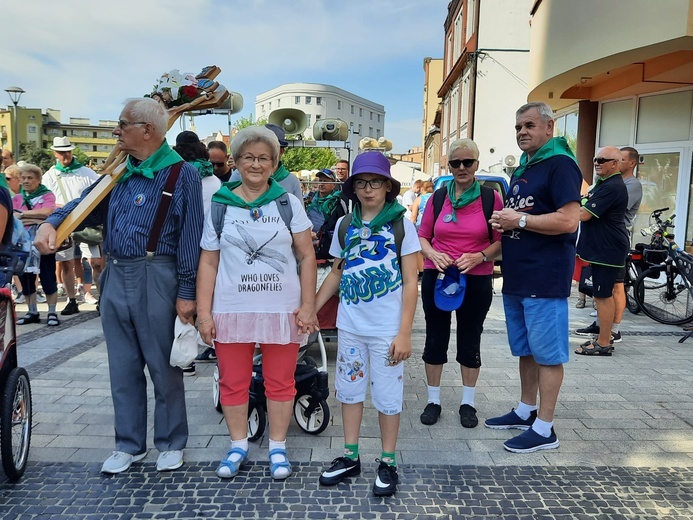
(664, 291)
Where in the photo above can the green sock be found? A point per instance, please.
(389, 458)
(351, 451)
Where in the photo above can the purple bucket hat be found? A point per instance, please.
(375, 163)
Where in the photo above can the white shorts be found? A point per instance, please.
(89, 251)
(362, 360)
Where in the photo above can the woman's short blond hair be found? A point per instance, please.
(12, 172)
(464, 144)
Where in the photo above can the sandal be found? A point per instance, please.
(53, 320)
(592, 348)
(580, 304)
(228, 468)
(274, 466)
(29, 317)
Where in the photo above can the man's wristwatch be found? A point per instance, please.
(523, 222)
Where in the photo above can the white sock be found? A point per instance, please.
(524, 410)
(468, 395)
(597, 320)
(434, 394)
(276, 445)
(615, 327)
(543, 428)
(242, 444)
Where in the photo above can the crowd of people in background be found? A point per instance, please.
(227, 239)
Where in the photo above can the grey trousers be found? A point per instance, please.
(138, 312)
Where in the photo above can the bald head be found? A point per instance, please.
(607, 161)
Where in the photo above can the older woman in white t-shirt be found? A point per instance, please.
(249, 291)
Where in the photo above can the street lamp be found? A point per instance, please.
(15, 93)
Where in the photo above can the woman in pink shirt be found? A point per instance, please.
(459, 238)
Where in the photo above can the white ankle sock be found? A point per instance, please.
(242, 444)
(615, 328)
(468, 395)
(543, 428)
(434, 394)
(524, 410)
(277, 445)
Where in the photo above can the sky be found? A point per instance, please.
(85, 57)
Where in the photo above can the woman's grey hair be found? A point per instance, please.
(544, 110)
(149, 111)
(253, 135)
(464, 144)
(32, 169)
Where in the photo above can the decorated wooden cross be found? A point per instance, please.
(180, 94)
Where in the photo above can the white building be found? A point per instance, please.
(318, 101)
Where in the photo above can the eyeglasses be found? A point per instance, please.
(468, 163)
(123, 124)
(601, 160)
(218, 164)
(375, 184)
(263, 160)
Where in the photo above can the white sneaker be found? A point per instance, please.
(20, 299)
(40, 297)
(120, 461)
(88, 298)
(169, 460)
(593, 314)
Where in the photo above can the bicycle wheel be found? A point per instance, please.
(628, 285)
(663, 294)
(15, 424)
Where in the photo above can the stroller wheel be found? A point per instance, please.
(257, 420)
(311, 415)
(15, 424)
(216, 393)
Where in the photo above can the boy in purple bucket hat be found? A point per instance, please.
(376, 277)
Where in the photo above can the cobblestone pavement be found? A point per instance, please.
(625, 424)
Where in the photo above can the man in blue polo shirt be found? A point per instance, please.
(539, 222)
(604, 242)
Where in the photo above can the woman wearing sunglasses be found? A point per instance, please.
(459, 238)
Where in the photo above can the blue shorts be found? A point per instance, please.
(538, 327)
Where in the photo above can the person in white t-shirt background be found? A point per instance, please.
(410, 196)
(377, 299)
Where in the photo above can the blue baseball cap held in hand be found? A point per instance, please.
(450, 288)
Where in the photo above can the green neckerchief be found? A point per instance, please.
(326, 204)
(3, 182)
(555, 146)
(391, 212)
(281, 173)
(36, 193)
(164, 157)
(468, 196)
(204, 168)
(600, 179)
(226, 196)
(72, 167)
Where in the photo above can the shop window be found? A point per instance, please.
(665, 117)
(615, 123)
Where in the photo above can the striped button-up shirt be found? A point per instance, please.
(127, 215)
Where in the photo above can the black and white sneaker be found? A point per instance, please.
(189, 370)
(208, 356)
(589, 331)
(340, 468)
(385, 483)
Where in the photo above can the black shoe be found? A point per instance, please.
(430, 414)
(386, 480)
(468, 417)
(70, 308)
(189, 370)
(208, 356)
(592, 330)
(340, 468)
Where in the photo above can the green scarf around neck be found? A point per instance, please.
(555, 146)
(281, 173)
(326, 204)
(70, 168)
(226, 196)
(468, 196)
(600, 179)
(28, 197)
(164, 157)
(204, 168)
(391, 212)
(3, 182)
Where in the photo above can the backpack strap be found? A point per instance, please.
(438, 201)
(283, 206)
(343, 226)
(488, 198)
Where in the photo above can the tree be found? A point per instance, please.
(31, 153)
(81, 156)
(296, 159)
(244, 122)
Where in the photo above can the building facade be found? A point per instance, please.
(29, 127)
(623, 76)
(485, 72)
(364, 117)
(432, 108)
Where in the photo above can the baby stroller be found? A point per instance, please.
(311, 410)
(15, 391)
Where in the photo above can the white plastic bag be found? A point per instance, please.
(184, 347)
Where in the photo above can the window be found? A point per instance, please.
(279, 103)
(339, 105)
(318, 116)
(31, 129)
(318, 101)
(307, 100)
(94, 148)
(308, 119)
(378, 118)
(352, 109)
(360, 129)
(615, 123)
(360, 112)
(371, 116)
(665, 117)
(95, 134)
(377, 132)
(262, 108)
(297, 100)
(470, 18)
(370, 131)
(32, 117)
(64, 133)
(270, 105)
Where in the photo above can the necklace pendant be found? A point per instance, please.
(255, 213)
(447, 218)
(365, 232)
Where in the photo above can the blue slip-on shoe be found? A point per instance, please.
(276, 466)
(510, 421)
(530, 441)
(228, 468)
